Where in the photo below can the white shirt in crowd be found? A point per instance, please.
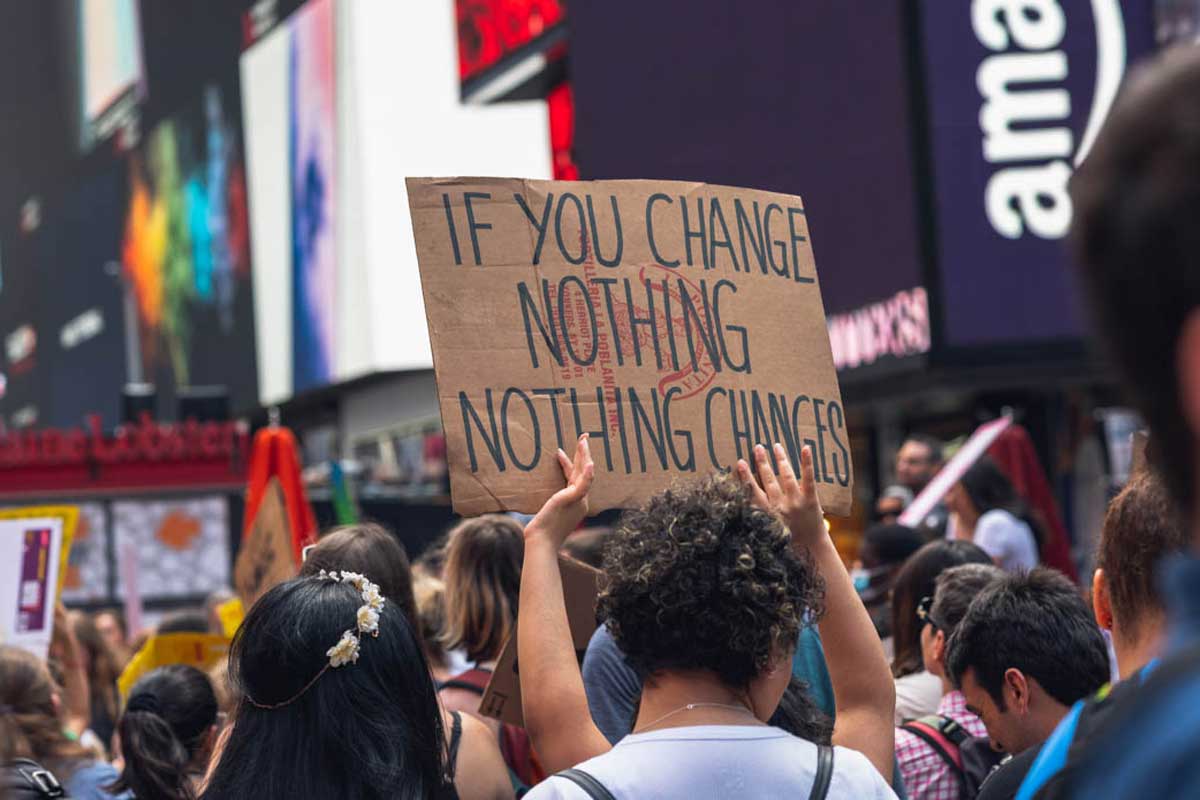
(719, 761)
(1004, 537)
(1007, 539)
(917, 695)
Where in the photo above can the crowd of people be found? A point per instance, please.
(734, 654)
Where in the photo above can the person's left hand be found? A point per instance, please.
(567, 507)
(796, 501)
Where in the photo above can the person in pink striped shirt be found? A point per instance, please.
(927, 773)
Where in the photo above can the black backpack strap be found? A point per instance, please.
(454, 683)
(38, 778)
(594, 788)
(820, 787)
(452, 749)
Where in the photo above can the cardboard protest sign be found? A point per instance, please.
(266, 557)
(948, 475)
(678, 324)
(35, 543)
(502, 698)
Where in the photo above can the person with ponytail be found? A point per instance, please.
(167, 733)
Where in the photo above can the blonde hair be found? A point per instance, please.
(483, 581)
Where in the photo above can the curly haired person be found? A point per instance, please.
(708, 585)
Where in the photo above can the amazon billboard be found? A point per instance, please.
(1016, 92)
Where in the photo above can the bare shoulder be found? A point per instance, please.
(480, 773)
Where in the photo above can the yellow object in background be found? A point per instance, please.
(199, 650)
(231, 614)
(70, 518)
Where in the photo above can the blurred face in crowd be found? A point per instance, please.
(110, 630)
(887, 510)
(915, 466)
(1007, 723)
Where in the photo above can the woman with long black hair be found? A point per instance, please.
(338, 700)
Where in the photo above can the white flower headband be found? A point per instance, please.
(367, 618)
(346, 651)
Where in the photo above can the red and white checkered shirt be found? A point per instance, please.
(926, 774)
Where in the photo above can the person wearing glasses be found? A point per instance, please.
(925, 749)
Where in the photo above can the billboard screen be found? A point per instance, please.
(1015, 102)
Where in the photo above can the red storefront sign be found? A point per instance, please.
(145, 455)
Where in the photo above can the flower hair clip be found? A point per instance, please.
(346, 651)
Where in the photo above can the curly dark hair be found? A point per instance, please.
(699, 578)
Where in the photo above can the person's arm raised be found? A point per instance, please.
(552, 695)
(863, 690)
(76, 696)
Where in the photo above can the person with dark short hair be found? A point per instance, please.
(883, 551)
(1136, 200)
(1027, 649)
(928, 774)
(1141, 529)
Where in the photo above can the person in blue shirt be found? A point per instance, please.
(1136, 201)
(1141, 529)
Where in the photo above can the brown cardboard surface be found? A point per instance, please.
(541, 296)
(266, 555)
(502, 698)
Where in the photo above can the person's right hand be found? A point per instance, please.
(794, 500)
(567, 507)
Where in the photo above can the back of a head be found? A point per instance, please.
(989, 488)
(368, 549)
(166, 733)
(194, 621)
(1142, 527)
(890, 545)
(429, 594)
(915, 580)
(956, 588)
(1136, 200)
(1035, 622)
(29, 725)
(700, 579)
(483, 583)
(370, 727)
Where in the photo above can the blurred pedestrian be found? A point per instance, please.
(919, 691)
(985, 509)
(891, 504)
(483, 581)
(881, 554)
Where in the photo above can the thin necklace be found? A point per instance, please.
(692, 707)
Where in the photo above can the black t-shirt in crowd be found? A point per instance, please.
(1006, 778)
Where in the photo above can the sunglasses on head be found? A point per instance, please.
(923, 609)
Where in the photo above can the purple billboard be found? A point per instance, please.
(1017, 91)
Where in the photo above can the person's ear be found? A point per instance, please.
(1016, 690)
(1102, 601)
(939, 648)
(1187, 367)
